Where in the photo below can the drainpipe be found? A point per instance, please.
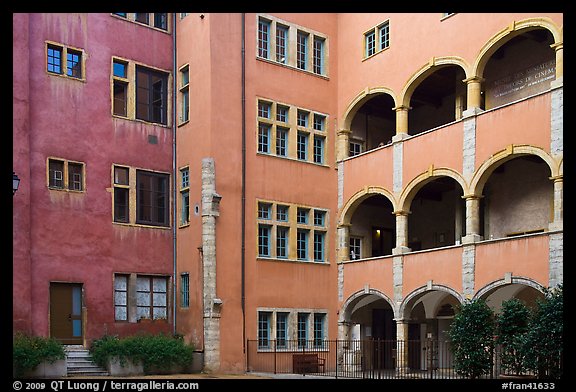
(243, 223)
(174, 174)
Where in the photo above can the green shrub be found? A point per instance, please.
(29, 351)
(511, 328)
(155, 352)
(472, 337)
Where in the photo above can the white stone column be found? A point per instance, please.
(472, 219)
(557, 223)
(401, 346)
(401, 232)
(474, 94)
(342, 144)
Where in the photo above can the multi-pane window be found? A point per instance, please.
(318, 57)
(277, 227)
(282, 141)
(151, 297)
(184, 196)
(120, 88)
(302, 215)
(74, 64)
(157, 20)
(318, 149)
(281, 43)
(302, 331)
(301, 50)
(355, 248)
(147, 100)
(264, 210)
(282, 213)
(264, 137)
(355, 148)
(377, 39)
(319, 335)
(65, 61)
(152, 199)
(121, 194)
(281, 329)
(302, 146)
(277, 131)
(184, 290)
(263, 240)
(293, 46)
(121, 297)
(319, 239)
(65, 175)
(263, 38)
(184, 94)
(384, 31)
(370, 42)
(264, 329)
(151, 95)
(282, 242)
(302, 244)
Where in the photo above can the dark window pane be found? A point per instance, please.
(151, 95)
(74, 64)
(152, 198)
(54, 59)
(121, 205)
(142, 17)
(75, 181)
(160, 21)
(120, 98)
(121, 175)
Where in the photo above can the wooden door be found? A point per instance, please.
(66, 313)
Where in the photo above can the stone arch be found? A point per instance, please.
(364, 96)
(514, 29)
(482, 174)
(425, 71)
(350, 207)
(345, 309)
(514, 280)
(420, 181)
(402, 308)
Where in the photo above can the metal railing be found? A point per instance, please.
(380, 359)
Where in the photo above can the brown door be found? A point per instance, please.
(66, 312)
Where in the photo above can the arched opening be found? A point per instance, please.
(439, 99)
(429, 315)
(373, 125)
(527, 294)
(373, 228)
(523, 66)
(372, 332)
(437, 215)
(518, 198)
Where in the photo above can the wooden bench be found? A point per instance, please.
(307, 363)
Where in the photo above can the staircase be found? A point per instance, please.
(79, 363)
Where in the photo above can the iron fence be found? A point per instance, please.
(379, 359)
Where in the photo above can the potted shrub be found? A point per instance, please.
(36, 356)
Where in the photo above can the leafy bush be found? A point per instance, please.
(511, 328)
(29, 351)
(155, 352)
(544, 343)
(472, 337)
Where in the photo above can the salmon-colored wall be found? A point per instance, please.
(410, 41)
(526, 257)
(374, 169)
(72, 236)
(443, 267)
(527, 122)
(441, 148)
(376, 273)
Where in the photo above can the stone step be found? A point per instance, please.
(79, 363)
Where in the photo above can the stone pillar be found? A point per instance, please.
(468, 270)
(472, 219)
(474, 100)
(211, 303)
(401, 232)
(342, 144)
(343, 232)
(559, 49)
(401, 120)
(401, 346)
(556, 259)
(557, 223)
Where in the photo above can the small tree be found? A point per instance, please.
(544, 344)
(511, 328)
(472, 338)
